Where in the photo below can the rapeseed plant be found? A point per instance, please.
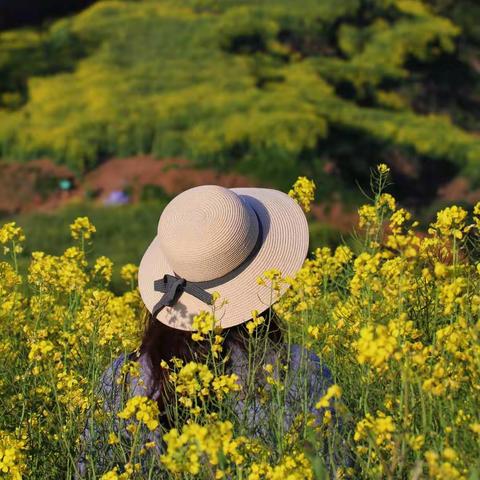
(12, 456)
(303, 191)
(396, 318)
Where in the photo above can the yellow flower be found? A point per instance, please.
(82, 228)
(111, 475)
(193, 379)
(303, 192)
(383, 169)
(216, 347)
(440, 270)
(164, 365)
(380, 428)
(103, 268)
(70, 391)
(402, 312)
(202, 446)
(333, 391)
(386, 200)
(63, 274)
(375, 346)
(450, 222)
(131, 368)
(449, 454)
(274, 277)
(113, 439)
(452, 294)
(40, 350)
(12, 456)
(129, 272)
(268, 368)
(203, 324)
(368, 216)
(446, 467)
(475, 427)
(416, 442)
(291, 467)
(224, 384)
(10, 233)
(254, 322)
(142, 409)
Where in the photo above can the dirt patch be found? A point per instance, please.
(459, 190)
(35, 185)
(177, 175)
(32, 186)
(172, 175)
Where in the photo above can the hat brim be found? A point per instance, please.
(284, 247)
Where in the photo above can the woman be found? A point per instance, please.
(211, 246)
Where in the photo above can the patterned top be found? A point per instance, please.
(306, 381)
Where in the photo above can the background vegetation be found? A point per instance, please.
(271, 88)
(123, 234)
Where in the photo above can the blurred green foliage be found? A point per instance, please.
(271, 88)
(123, 232)
(153, 192)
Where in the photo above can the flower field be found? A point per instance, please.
(394, 315)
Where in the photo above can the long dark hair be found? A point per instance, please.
(161, 343)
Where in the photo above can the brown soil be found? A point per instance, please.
(172, 175)
(31, 186)
(459, 189)
(177, 175)
(21, 185)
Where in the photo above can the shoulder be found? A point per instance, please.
(112, 373)
(306, 364)
(116, 378)
(301, 355)
(300, 358)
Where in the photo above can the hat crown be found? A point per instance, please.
(206, 232)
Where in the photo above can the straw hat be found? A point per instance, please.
(212, 238)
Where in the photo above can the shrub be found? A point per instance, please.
(270, 87)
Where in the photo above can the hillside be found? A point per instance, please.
(272, 89)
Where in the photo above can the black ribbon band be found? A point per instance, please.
(172, 286)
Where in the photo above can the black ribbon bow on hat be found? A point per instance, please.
(172, 288)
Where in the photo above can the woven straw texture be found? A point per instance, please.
(206, 232)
